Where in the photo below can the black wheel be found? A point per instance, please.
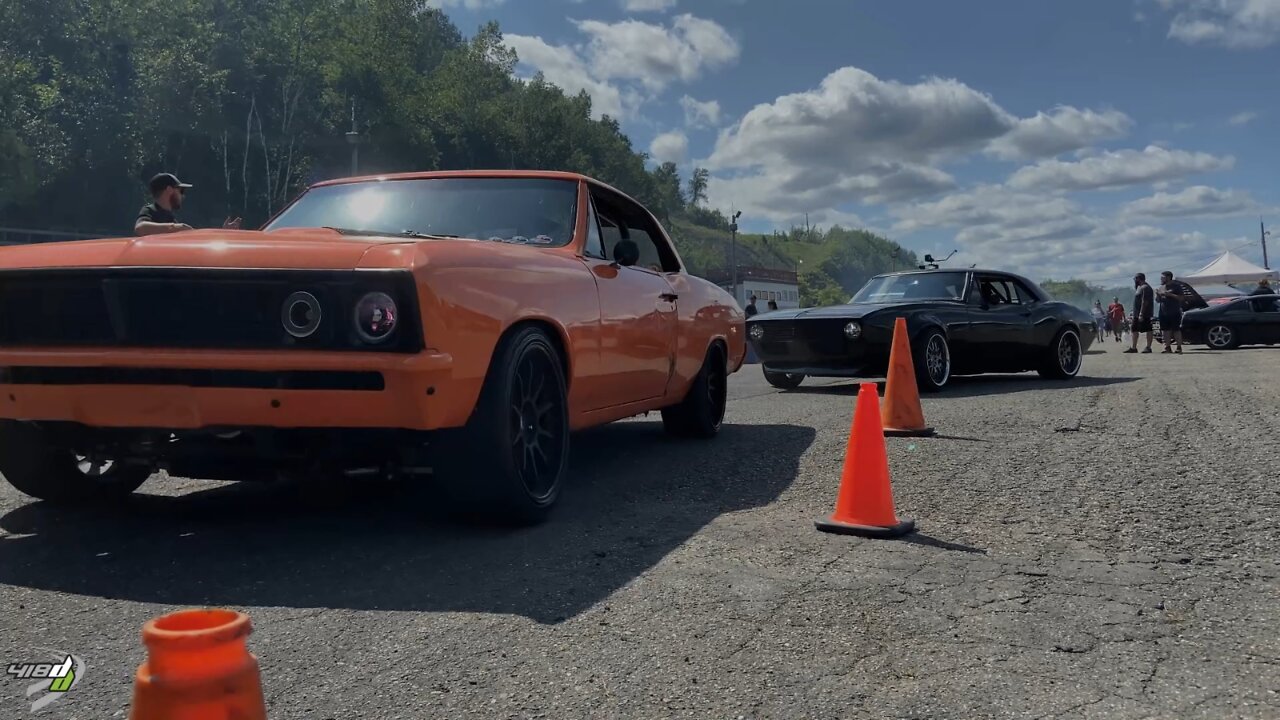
(510, 461)
(44, 470)
(783, 381)
(1221, 337)
(1063, 357)
(932, 358)
(700, 413)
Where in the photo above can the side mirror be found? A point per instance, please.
(626, 253)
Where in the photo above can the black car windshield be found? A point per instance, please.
(536, 211)
(915, 286)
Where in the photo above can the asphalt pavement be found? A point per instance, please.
(1103, 547)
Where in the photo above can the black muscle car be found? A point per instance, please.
(960, 322)
(1250, 320)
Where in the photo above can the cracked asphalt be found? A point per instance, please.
(1105, 547)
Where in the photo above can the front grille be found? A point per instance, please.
(193, 308)
(251, 379)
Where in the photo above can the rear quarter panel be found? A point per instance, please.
(707, 313)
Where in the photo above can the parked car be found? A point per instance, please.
(457, 324)
(1249, 320)
(960, 322)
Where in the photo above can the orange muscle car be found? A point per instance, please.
(453, 324)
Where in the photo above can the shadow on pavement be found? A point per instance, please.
(975, 385)
(918, 539)
(634, 495)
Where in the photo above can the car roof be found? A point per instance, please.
(437, 174)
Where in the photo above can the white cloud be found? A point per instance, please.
(1243, 118)
(564, 68)
(854, 119)
(1195, 201)
(699, 114)
(669, 147)
(647, 5)
(655, 55)
(1236, 24)
(622, 64)
(1063, 130)
(1117, 169)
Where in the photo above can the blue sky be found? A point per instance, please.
(1085, 138)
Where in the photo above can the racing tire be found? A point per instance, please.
(931, 355)
(1063, 357)
(509, 463)
(783, 381)
(47, 471)
(701, 412)
(1221, 337)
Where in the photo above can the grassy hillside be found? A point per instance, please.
(832, 264)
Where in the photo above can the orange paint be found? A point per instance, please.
(626, 349)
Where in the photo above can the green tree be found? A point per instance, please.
(698, 183)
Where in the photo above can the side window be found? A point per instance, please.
(1025, 296)
(595, 245)
(618, 215)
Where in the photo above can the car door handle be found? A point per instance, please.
(669, 297)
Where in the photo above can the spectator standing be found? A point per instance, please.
(1116, 313)
(773, 305)
(1099, 319)
(751, 308)
(1264, 288)
(1173, 295)
(159, 216)
(1144, 301)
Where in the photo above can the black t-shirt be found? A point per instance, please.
(751, 309)
(1175, 294)
(1143, 301)
(152, 212)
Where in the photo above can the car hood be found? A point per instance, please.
(298, 249)
(851, 312)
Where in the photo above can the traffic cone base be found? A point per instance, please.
(908, 432)
(832, 525)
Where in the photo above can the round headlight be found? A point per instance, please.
(852, 330)
(376, 317)
(300, 314)
(756, 332)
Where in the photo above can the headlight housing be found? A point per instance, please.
(376, 317)
(756, 332)
(852, 330)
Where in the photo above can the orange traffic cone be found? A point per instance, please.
(902, 414)
(198, 667)
(865, 503)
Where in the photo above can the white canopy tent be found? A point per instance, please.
(1230, 269)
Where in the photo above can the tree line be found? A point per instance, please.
(251, 100)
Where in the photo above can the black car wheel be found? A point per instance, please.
(1064, 357)
(783, 381)
(47, 471)
(512, 457)
(932, 357)
(701, 412)
(1221, 337)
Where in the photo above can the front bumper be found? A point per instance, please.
(416, 391)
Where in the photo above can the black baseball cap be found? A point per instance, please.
(166, 180)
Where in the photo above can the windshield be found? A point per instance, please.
(922, 286)
(537, 211)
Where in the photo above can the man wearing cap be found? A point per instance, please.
(1143, 309)
(157, 217)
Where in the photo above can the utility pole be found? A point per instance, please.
(353, 139)
(1264, 232)
(733, 251)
